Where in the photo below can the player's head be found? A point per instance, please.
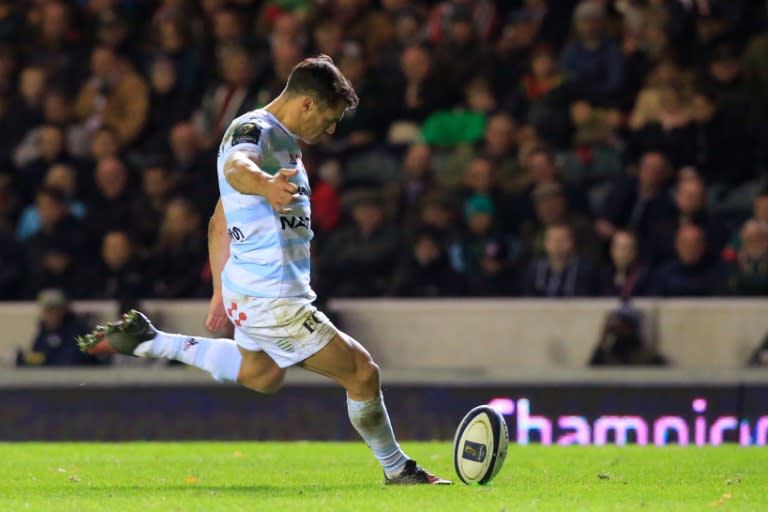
(325, 95)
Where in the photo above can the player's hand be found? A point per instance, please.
(281, 192)
(217, 316)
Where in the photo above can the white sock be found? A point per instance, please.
(219, 357)
(370, 419)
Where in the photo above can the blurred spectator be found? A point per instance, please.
(648, 107)
(328, 37)
(482, 254)
(179, 253)
(498, 145)
(172, 40)
(690, 273)
(626, 276)
(461, 54)
(366, 124)
(169, 104)
(594, 60)
(542, 169)
(481, 178)
(755, 69)
(439, 212)
(110, 208)
(325, 182)
(114, 96)
(637, 203)
(425, 270)
(544, 95)
(466, 122)
(482, 13)
(748, 274)
(50, 149)
(593, 128)
(64, 178)
(722, 78)
(227, 99)
(722, 145)
(551, 208)
(53, 45)
(193, 166)
(358, 260)
(50, 253)
(149, 206)
(404, 197)
(420, 89)
(122, 275)
(513, 50)
(550, 17)
(408, 32)
(228, 32)
(283, 57)
(672, 131)
(690, 208)
(26, 110)
(54, 343)
(622, 342)
(562, 272)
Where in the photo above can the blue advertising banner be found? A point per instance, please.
(580, 414)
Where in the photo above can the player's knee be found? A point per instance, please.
(367, 378)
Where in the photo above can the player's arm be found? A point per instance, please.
(242, 172)
(218, 245)
(218, 254)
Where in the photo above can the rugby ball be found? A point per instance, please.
(480, 445)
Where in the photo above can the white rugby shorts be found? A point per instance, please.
(288, 329)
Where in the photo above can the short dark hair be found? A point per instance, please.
(319, 77)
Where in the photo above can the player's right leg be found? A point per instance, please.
(222, 358)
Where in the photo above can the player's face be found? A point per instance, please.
(321, 121)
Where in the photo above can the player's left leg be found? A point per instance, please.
(135, 335)
(348, 363)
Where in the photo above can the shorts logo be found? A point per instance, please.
(237, 320)
(285, 345)
(189, 343)
(311, 323)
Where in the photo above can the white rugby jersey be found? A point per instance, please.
(269, 251)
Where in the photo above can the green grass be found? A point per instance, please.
(345, 477)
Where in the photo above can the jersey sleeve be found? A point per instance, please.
(246, 135)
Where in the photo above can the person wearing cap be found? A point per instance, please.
(58, 326)
(595, 60)
(551, 207)
(483, 255)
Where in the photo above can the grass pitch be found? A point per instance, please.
(345, 477)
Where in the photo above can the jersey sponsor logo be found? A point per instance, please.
(236, 234)
(294, 222)
(246, 133)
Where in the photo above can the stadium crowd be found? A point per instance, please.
(512, 148)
